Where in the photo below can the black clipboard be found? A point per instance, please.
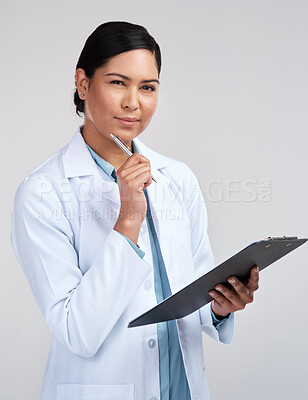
(194, 296)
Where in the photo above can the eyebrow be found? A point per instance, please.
(129, 79)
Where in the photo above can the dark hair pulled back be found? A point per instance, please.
(109, 40)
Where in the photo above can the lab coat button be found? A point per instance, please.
(153, 398)
(151, 343)
(147, 285)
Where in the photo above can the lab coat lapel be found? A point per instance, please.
(167, 214)
(165, 209)
(78, 162)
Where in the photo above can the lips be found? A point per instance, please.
(127, 121)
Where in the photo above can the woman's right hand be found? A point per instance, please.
(133, 177)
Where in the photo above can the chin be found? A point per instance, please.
(126, 135)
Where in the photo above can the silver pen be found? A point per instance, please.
(123, 146)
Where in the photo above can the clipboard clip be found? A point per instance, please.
(282, 238)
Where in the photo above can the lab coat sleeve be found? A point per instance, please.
(80, 309)
(203, 257)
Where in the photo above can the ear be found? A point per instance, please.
(82, 83)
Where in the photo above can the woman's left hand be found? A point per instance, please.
(228, 300)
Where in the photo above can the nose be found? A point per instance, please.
(130, 100)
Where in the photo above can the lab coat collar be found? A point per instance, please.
(77, 160)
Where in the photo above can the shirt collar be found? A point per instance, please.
(105, 165)
(78, 161)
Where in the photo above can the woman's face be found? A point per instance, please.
(122, 96)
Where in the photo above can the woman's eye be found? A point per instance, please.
(148, 88)
(117, 82)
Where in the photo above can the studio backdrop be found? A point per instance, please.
(233, 106)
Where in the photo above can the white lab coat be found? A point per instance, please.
(90, 283)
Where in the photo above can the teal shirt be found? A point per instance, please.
(173, 379)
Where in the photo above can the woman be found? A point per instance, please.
(100, 242)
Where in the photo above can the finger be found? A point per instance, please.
(134, 160)
(244, 294)
(141, 182)
(142, 175)
(224, 303)
(253, 281)
(148, 183)
(143, 158)
(237, 299)
(132, 172)
(217, 308)
(144, 180)
(131, 165)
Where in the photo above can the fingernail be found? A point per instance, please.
(212, 294)
(256, 270)
(232, 280)
(219, 287)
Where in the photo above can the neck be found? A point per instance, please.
(106, 148)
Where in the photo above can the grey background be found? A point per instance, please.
(234, 79)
